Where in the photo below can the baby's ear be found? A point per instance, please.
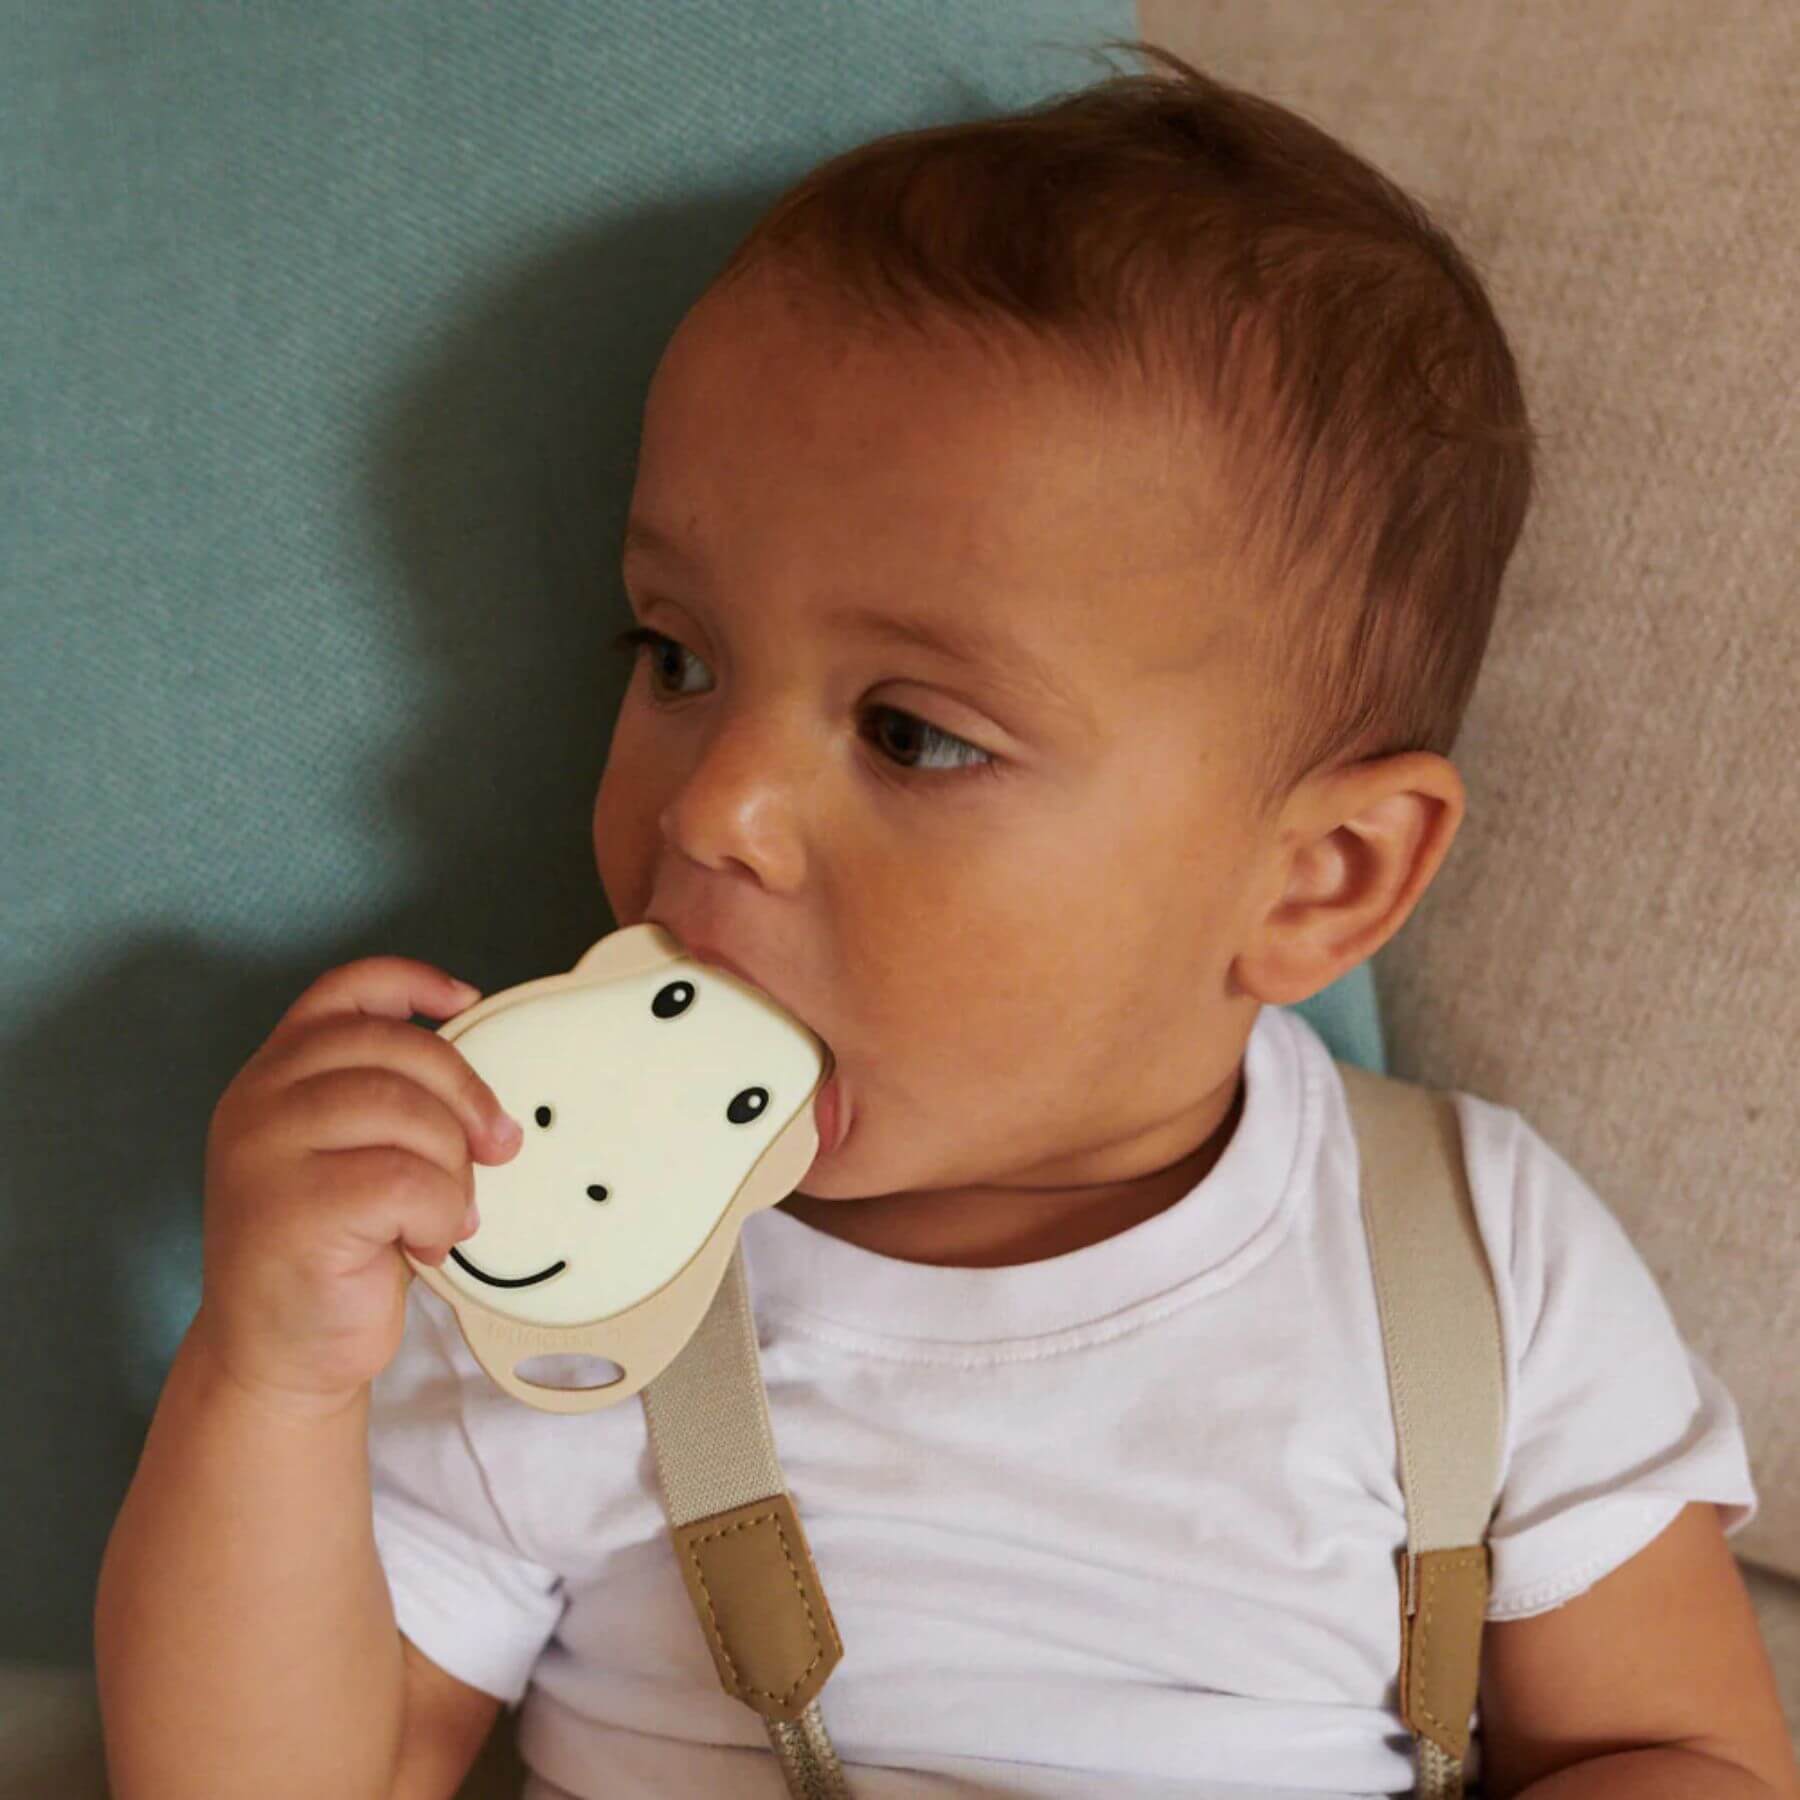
(1366, 843)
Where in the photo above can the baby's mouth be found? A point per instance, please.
(513, 1281)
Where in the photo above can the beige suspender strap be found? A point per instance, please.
(756, 1592)
(743, 1556)
(1440, 1330)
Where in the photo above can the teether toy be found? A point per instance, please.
(663, 1101)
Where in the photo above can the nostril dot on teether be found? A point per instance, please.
(596, 1193)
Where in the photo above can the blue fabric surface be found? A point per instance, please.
(325, 336)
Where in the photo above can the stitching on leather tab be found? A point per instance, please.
(1461, 1560)
(718, 1637)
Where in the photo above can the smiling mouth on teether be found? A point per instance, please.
(515, 1281)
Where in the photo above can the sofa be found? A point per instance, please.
(321, 320)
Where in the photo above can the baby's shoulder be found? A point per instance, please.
(1541, 1219)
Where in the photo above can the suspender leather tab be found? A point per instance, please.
(761, 1605)
(1440, 1642)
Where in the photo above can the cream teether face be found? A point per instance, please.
(663, 1100)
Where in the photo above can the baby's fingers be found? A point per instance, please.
(392, 987)
(423, 1058)
(381, 1195)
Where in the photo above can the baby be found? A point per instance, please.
(1061, 553)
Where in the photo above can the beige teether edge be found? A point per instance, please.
(644, 1338)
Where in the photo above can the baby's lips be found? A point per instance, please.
(828, 1111)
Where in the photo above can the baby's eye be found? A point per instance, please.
(641, 637)
(907, 747)
(914, 737)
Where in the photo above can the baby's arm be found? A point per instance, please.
(244, 1632)
(244, 1637)
(1654, 1682)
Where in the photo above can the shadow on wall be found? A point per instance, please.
(498, 474)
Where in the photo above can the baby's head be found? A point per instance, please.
(1070, 541)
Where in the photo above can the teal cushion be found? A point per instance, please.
(326, 334)
(1347, 1015)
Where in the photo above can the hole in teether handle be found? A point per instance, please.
(569, 1369)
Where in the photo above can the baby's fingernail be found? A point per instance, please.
(471, 1221)
(508, 1129)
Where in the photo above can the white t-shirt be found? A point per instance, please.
(1122, 1521)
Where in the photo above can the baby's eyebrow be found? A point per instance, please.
(995, 653)
(645, 539)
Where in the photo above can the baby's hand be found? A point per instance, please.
(349, 1133)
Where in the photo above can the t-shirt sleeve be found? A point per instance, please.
(1613, 1423)
(463, 1588)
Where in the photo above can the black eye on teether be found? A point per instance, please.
(750, 1104)
(542, 1115)
(671, 1002)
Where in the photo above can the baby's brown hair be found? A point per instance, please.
(1239, 263)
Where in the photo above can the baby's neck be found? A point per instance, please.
(996, 1227)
